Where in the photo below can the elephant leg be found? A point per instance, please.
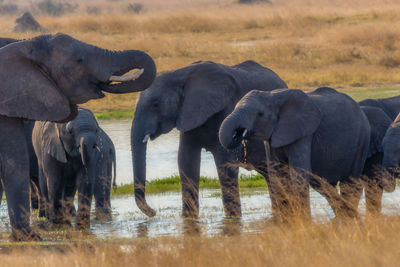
(228, 177)
(85, 194)
(44, 200)
(56, 185)
(34, 192)
(102, 195)
(1, 191)
(69, 195)
(263, 170)
(189, 156)
(373, 198)
(279, 191)
(330, 193)
(15, 177)
(350, 191)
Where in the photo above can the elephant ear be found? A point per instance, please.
(208, 90)
(52, 142)
(27, 90)
(379, 122)
(298, 117)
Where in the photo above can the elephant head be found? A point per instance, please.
(185, 98)
(391, 155)
(45, 77)
(280, 117)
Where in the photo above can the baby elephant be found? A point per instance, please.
(67, 156)
(323, 136)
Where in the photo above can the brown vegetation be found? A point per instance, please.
(373, 242)
(308, 43)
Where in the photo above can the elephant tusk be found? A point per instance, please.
(97, 147)
(146, 138)
(244, 133)
(127, 78)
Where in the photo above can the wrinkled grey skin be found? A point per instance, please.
(105, 174)
(43, 79)
(379, 170)
(67, 156)
(309, 132)
(33, 167)
(195, 99)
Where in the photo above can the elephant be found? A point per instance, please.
(69, 156)
(380, 113)
(375, 182)
(44, 78)
(195, 99)
(322, 136)
(105, 174)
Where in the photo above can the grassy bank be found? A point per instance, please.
(173, 184)
(308, 43)
(373, 242)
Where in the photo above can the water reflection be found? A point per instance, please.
(129, 222)
(162, 153)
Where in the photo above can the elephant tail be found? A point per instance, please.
(114, 181)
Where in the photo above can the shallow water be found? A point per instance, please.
(129, 222)
(162, 153)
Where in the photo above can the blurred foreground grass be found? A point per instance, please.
(355, 243)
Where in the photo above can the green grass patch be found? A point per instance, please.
(173, 184)
(360, 94)
(115, 114)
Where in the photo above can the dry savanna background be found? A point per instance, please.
(352, 45)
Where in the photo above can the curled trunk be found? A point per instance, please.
(125, 61)
(233, 130)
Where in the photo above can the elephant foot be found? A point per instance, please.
(190, 214)
(103, 214)
(82, 224)
(19, 236)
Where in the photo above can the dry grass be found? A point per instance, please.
(308, 43)
(370, 243)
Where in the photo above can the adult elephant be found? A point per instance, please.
(195, 99)
(105, 174)
(375, 182)
(381, 113)
(321, 133)
(43, 79)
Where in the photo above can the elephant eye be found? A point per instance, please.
(156, 105)
(79, 60)
(260, 114)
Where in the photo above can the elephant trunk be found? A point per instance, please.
(233, 130)
(388, 179)
(139, 146)
(123, 62)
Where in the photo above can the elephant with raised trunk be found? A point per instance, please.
(323, 136)
(44, 78)
(195, 99)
